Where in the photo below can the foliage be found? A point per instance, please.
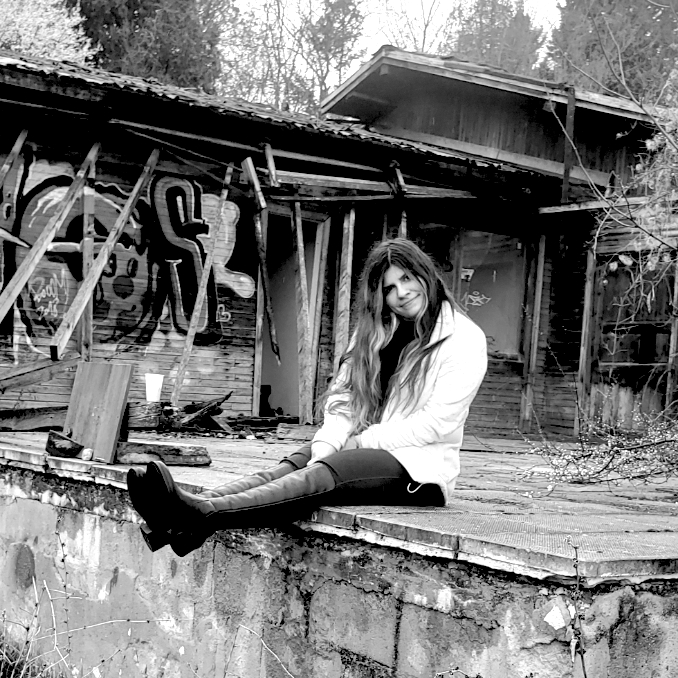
(417, 28)
(608, 455)
(289, 56)
(495, 32)
(616, 46)
(43, 28)
(175, 41)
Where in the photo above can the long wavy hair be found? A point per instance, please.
(357, 383)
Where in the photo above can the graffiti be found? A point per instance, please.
(475, 298)
(150, 282)
(48, 294)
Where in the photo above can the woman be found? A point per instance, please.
(393, 425)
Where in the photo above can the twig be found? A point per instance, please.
(263, 642)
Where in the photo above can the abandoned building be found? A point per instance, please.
(125, 202)
(469, 161)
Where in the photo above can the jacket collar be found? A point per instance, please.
(445, 323)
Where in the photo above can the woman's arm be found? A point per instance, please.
(333, 434)
(444, 412)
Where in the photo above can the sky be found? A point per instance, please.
(545, 12)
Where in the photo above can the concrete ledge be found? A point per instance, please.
(631, 541)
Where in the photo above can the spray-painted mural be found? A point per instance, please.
(148, 288)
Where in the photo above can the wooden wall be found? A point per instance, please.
(509, 121)
(144, 300)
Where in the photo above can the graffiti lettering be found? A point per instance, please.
(151, 280)
(46, 295)
(475, 298)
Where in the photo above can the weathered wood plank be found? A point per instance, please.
(341, 332)
(33, 418)
(87, 320)
(302, 432)
(527, 403)
(172, 454)
(12, 156)
(322, 242)
(584, 370)
(37, 372)
(29, 264)
(84, 293)
(550, 167)
(568, 151)
(270, 164)
(303, 323)
(95, 412)
(202, 288)
(259, 330)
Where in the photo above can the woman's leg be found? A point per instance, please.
(345, 478)
(156, 539)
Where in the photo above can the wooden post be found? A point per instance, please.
(250, 173)
(673, 344)
(342, 319)
(568, 151)
(527, 402)
(201, 294)
(322, 241)
(30, 263)
(401, 191)
(259, 329)
(584, 371)
(88, 207)
(12, 156)
(303, 324)
(270, 164)
(70, 319)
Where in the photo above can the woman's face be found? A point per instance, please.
(403, 293)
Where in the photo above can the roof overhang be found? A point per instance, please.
(358, 87)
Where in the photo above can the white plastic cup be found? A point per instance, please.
(153, 387)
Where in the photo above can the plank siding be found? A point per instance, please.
(496, 408)
(144, 298)
(507, 121)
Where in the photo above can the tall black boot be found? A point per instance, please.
(280, 501)
(146, 502)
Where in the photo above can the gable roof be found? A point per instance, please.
(454, 68)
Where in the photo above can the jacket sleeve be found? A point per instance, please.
(336, 422)
(445, 410)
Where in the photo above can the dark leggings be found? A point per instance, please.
(370, 477)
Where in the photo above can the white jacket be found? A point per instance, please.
(426, 437)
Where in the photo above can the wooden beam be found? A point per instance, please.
(201, 293)
(251, 175)
(88, 207)
(322, 241)
(259, 329)
(568, 141)
(584, 369)
(12, 156)
(431, 193)
(527, 402)
(456, 261)
(36, 373)
(617, 203)
(48, 233)
(82, 297)
(303, 319)
(672, 378)
(342, 319)
(270, 164)
(549, 167)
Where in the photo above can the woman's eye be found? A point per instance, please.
(405, 278)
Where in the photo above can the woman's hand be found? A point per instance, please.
(320, 450)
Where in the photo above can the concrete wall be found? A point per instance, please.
(327, 607)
